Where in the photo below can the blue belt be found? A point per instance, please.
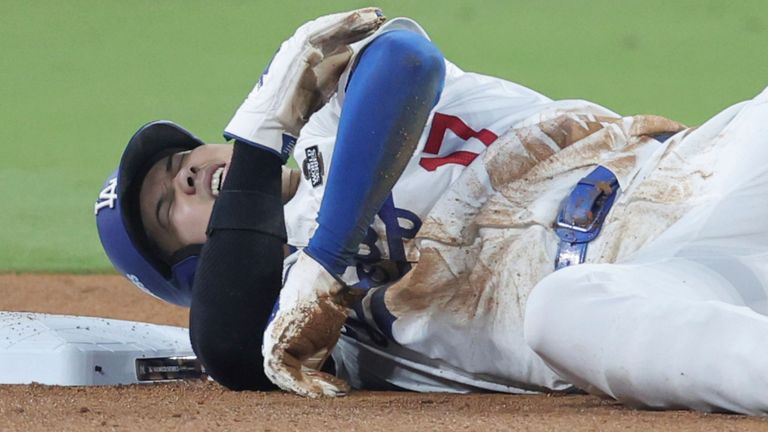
(581, 215)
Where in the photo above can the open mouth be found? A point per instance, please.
(217, 180)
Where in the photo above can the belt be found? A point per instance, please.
(581, 215)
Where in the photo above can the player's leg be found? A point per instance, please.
(670, 334)
(683, 323)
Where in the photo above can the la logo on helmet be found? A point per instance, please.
(107, 197)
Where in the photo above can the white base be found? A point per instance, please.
(81, 351)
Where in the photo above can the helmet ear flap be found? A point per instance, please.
(184, 253)
(184, 266)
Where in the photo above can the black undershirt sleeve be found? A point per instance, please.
(238, 278)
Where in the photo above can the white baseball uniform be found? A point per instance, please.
(673, 280)
(680, 320)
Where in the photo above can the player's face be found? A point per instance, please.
(178, 193)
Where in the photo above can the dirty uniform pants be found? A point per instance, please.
(681, 323)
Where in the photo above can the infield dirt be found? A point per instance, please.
(193, 406)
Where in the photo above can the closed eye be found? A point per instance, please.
(173, 165)
(163, 199)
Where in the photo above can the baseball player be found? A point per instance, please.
(453, 232)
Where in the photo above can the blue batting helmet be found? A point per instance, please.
(119, 222)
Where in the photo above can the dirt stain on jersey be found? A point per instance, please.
(517, 152)
(512, 236)
(433, 284)
(537, 148)
(567, 129)
(653, 125)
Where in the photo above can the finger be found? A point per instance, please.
(286, 372)
(328, 71)
(364, 21)
(308, 383)
(326, 384)
(347, 29)
(283, 369)
(291, 379)
(317, 360)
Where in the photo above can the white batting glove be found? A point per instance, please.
(300, 79)
(304, 330)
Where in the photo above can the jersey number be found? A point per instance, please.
(441, 123)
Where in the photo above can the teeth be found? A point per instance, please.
(217, 180)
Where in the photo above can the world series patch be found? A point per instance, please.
(313, 166)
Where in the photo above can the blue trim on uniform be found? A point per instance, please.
(266, 69)
(381, 314)
(392, 226)
(396, 73)
(273, 314)
(357, 329)
(662, 137)
(364, 280)
(184, 273)
(289, 142)
(582, 214)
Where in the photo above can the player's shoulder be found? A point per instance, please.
(395, 24)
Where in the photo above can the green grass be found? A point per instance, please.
(79, 77)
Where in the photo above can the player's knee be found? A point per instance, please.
(408, 54)
(540, 305)
(550, 307)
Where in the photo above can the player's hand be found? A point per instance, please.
(300, 79)
(304, 330)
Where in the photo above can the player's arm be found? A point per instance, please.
(239, 273)
(394, 86)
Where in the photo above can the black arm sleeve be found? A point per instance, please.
(239, 274)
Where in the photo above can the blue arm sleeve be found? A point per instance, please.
(395, 84)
